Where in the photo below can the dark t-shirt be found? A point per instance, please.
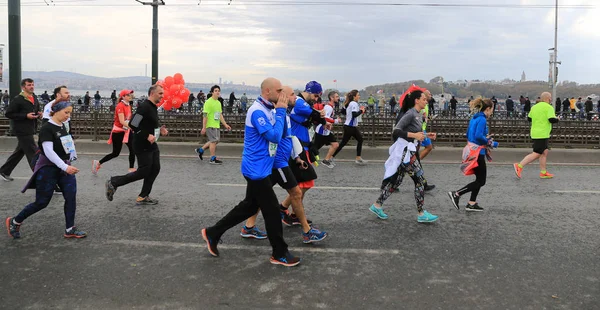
(60, 138)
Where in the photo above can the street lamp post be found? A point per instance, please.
(154, 5)
(555, 63)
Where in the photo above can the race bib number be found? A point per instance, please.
(217, 116)
(69, 147)
(272, 149)
(156, 134)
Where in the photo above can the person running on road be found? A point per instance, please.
(120, 133)
(302, 116)
(479, 141)
(323, 134)
(541, 117)
(147, 129)
(353, 111)
(282, 174)
(211, 125)
(262, 133)
(403, 159)
(53, 167)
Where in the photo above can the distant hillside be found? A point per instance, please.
(49, 80)
(532, 89)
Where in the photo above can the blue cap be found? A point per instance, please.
(313, 87)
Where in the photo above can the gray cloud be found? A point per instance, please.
(358, 46)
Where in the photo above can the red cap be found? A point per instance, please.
(125, 92)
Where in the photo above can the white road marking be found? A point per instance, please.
(578, 192)
(307, 249)
(316, 187)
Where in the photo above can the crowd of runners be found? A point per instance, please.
(283, 137)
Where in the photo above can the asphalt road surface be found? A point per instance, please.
(536, 246)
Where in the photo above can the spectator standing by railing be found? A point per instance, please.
(190, 102)
(510, 106)
(97, 98)
(244, 102)
(453, 103)
(589, 107)
(86, 101)
(45, 97)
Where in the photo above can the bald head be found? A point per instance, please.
(288, 91)
(546, 97)
(270, 89)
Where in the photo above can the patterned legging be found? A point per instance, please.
(391, 184)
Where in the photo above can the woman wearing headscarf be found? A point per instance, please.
(53, 167)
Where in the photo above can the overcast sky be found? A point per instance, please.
(357, 45)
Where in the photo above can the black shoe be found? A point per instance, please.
(429, 187)
(110, 190)
(200, 152)
(474, 208)
(286, 219)
(57, 190)
(215, 161)
(296, 220)
(6, 177)
(12, 228)
(287, 260)
(146, 201)
(455, 199)
(211, 243)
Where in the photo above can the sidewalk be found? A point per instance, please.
(376, 154)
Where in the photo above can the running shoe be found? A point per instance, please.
(473, 208)
(332, 160)
(95, 167)
(379, 212)
(546, 175)
(6, 177)
(200, 152)
(518, 170)
(296, 220)
(110, 190)
(427, 217)
(287, 260)
(215, 161)
(313, 235)
(455, 199)
(327, 163)
(361, 162)
(145, 201)
(286, 219)
(211, 243)
(75, 233)
(12, 228)
(429, 187)
(253, 232)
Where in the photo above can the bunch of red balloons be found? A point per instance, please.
(175, 92)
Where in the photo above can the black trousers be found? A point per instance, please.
(117, 142)
(25, 147)
(349, 132)
(480, 176)
(259, 194)
(148, 169)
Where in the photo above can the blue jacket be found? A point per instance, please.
(478, 130)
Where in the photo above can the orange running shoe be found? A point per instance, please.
(518, 170)
(546, 175)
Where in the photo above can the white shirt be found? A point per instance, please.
(352, 107)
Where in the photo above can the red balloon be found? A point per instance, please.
(182, 82)
(178, 78)
(185, 93)
(169, 81)
(176, 103)
(174, 89)
(167, 106)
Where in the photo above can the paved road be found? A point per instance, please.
(533, 247)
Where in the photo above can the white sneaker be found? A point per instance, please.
(95, 167)
(361, 161)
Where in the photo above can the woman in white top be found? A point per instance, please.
(353, 111)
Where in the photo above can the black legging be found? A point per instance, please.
(480, 174)
(117, 142)
(349, 132)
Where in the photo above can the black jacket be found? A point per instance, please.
(18, 109)
(589, 105)
(144, 123)
(510, 105)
